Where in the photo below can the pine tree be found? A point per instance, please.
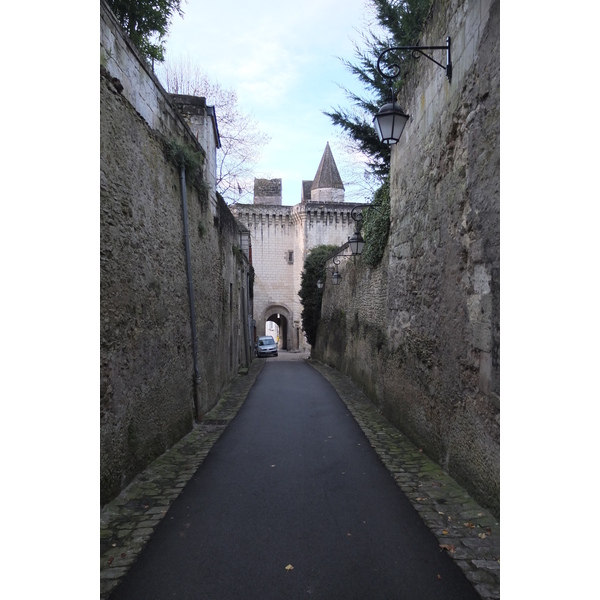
(402, 22)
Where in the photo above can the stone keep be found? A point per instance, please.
(282, 236)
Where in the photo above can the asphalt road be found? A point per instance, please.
(292, 502)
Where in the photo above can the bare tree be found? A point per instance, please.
(241, 140)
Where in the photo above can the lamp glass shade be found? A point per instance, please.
(336, 278)
(356, 243)
(389, 123)
(320, 284)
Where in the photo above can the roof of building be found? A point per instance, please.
(327, 175)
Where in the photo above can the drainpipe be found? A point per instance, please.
(244, 299)
(188, 264)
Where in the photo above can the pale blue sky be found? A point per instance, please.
(281, 58)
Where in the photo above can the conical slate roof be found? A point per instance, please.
(327, 175)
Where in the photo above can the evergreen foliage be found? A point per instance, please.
(146, 22)
(402, 22)
(310, 294)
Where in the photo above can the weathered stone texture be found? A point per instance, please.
(147, 387)
(430, 356)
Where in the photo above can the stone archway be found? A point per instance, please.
(280, 317)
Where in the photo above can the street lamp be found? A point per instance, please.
(389, 122)
(336, 277)
(320, 284)
(356, 242)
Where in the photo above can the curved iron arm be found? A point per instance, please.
(357, 217)
(416, 52)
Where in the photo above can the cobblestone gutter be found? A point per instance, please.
(468, 532)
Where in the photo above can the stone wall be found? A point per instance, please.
(149, 396)
(421, 333)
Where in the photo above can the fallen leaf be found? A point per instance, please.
(482, 536)
(289, 568)
(470, 525)
(439, 576)
(445, 531)
(110, 560)
(450, 547)
(123, 554)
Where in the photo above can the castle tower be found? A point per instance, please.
(267, 191)
(281, 237)
(327, 186)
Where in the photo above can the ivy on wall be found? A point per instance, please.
(376, 226)
(310, 294)
(182, 155)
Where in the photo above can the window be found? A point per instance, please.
(290, 257)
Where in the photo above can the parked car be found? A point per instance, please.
(266, 346)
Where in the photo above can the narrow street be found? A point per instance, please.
(292, 501)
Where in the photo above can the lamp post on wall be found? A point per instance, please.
(356, 242)
(389, 122)
(335, 276)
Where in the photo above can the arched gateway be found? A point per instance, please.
(277, 319)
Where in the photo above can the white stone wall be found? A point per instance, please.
(140, 86)
(275, 232)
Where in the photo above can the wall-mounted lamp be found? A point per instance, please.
(320, 284)
(356, 242)
(389, 122)
(336, 277)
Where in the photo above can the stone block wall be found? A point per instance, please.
(148, 396)
(268, 191)
(421, 333)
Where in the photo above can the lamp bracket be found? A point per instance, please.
(336, 259)
(357, 212)
(416, 52)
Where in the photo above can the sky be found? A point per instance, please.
(281, 57)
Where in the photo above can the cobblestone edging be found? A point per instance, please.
(469, 533)
(128, 521)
